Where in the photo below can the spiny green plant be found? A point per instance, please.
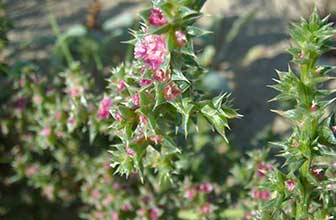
(156, 98)
(304, 188)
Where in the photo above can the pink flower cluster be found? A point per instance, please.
(261, 194)
(156, 18)
(152, 49)
(203, 188)
(104, 109)
(263, 169)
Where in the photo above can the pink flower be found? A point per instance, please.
(191, 193)
(143, 120)
(156, 17)
(95, 194)
(313, 107)
(333, 128)
(265, 195)
(259, 194)
(334, 165)
(145, 82)
(318, 173)
(130, 151)
(115, 216)
(161, 76)
(136, 99)
(108, 199)
(104, 109)
(72, 121)
(75, 91)
(154, 213)
(32, 170)
(171, 92)
(141, 211)
(262, 169)
(118, 116)
(181, 38)
(156, 139)
(206, 208)
(121, 86)
(21, 103)
(46, 131)
(58, 115)
(116, 186)
(127, 207)
(205, 187)
(37, 99)
(152, 49)
(99, 215)
(290, 184)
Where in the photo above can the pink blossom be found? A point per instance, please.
(76, 91)
(99, 215)
(171, 92)
(181, 38)
(191, 193)
(290, 184)
(95, 194)
(141, 211)
(154, 213)
(259, 194)
(108, 200)
(333, 128)
(72, 121)
(301, 55)
(156, 17)
(130, 151)
(143, 120)
(313, 107)
(46, 131)
(136, 99)
(49, 192)
(205, 187)
(21, 103)
(145, 82)
(127, 207)
(114, 215)
(334, 165)
(318, 173)
(118, 116)
(32, 170)
(104, 109)
(152, 49)
(161, 76)
(121, 86)
(116, 186)
(156, 139)
(206, 208)
(37, 99)
(58, 115)
(262, 169)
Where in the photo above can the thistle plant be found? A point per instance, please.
(155, 98)
(304, 188)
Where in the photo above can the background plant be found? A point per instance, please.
(304, 187)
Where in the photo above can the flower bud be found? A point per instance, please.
(171, 92)
(156, 18)
(290, 184)
(181, 38)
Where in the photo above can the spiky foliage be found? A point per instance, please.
(305, 187)
(156, 97)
